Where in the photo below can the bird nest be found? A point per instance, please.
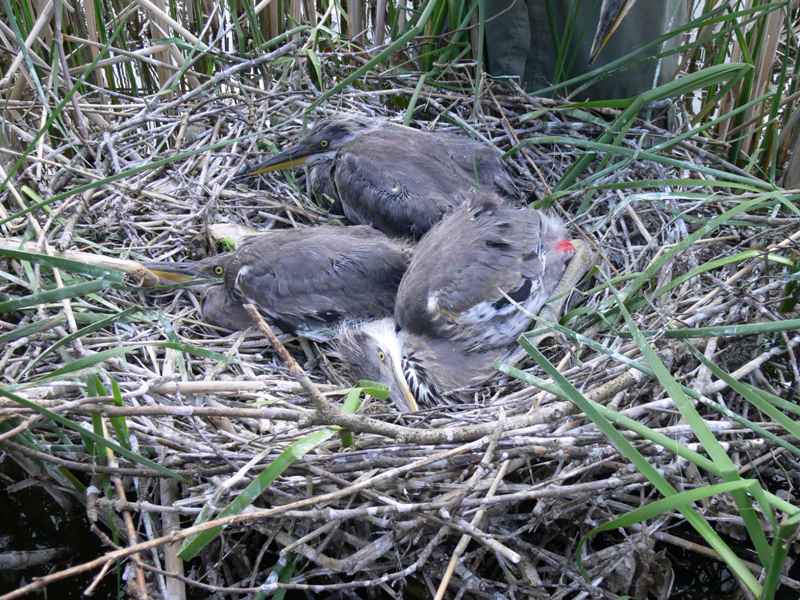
(486, 499)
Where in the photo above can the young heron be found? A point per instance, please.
(304, 281)
(395, 178)
(469, 292)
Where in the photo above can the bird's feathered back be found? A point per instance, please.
(470, 270)
(309, 280)
(403, 180)
(303, 280)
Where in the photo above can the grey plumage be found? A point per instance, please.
(224, 310)
(456, 283)
(303, 280)
(456, 310)
(395, 178)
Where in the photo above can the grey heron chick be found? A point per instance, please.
(472, 286)
(305, 281)
(395, 178)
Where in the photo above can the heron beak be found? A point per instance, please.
(400, 380)
(612, 12)
(176, 272)
(296, 156)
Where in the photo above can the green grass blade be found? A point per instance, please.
(780, 550)
(294, 452)
(645, 432)
(412, 104)
(645, 468)
(197, 351)
(610, 149)
(99, 452)
(751, 395)
(152, 165)
(31, 329)
(351, 403)
(634, 364)
(660, 184)
(735, 330)
(711, 225)
(391, 49)
(192, 546)
(68, 339)
(65, 264)
(785, 405)
(95, 387)
(100, 440)
(671, 504)
(56, 111)
(118, 422)
(84, 362)
(712, 265)
(54, 295)
(683, 85)
(706, 437)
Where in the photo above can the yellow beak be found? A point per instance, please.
(294, 156)
(400, 378)
(171, 277)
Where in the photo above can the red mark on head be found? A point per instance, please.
(565, 246)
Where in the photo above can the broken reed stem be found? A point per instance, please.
(324, 408)
(479, 473)
(138, 585)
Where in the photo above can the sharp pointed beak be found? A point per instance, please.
(293, 157)
(176, 272)
(612, 12)
(400, 379)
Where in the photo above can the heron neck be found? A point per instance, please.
(320, 158)
(438, 366)
(414, 359)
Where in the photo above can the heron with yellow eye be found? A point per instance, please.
(395, 178)
(302, 280)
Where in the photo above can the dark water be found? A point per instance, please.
(31, 520)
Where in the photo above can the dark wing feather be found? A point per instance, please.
(402, 180)
(479, 162)
(310, 282)
(462, 271)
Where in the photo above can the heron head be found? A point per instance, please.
(373, 350)
(556, 249)
(321, 143)
(198, 271)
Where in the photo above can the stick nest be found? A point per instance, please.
(519, 470)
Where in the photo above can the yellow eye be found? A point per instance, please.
(219, 270)
(323, 143)
(381, 356)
